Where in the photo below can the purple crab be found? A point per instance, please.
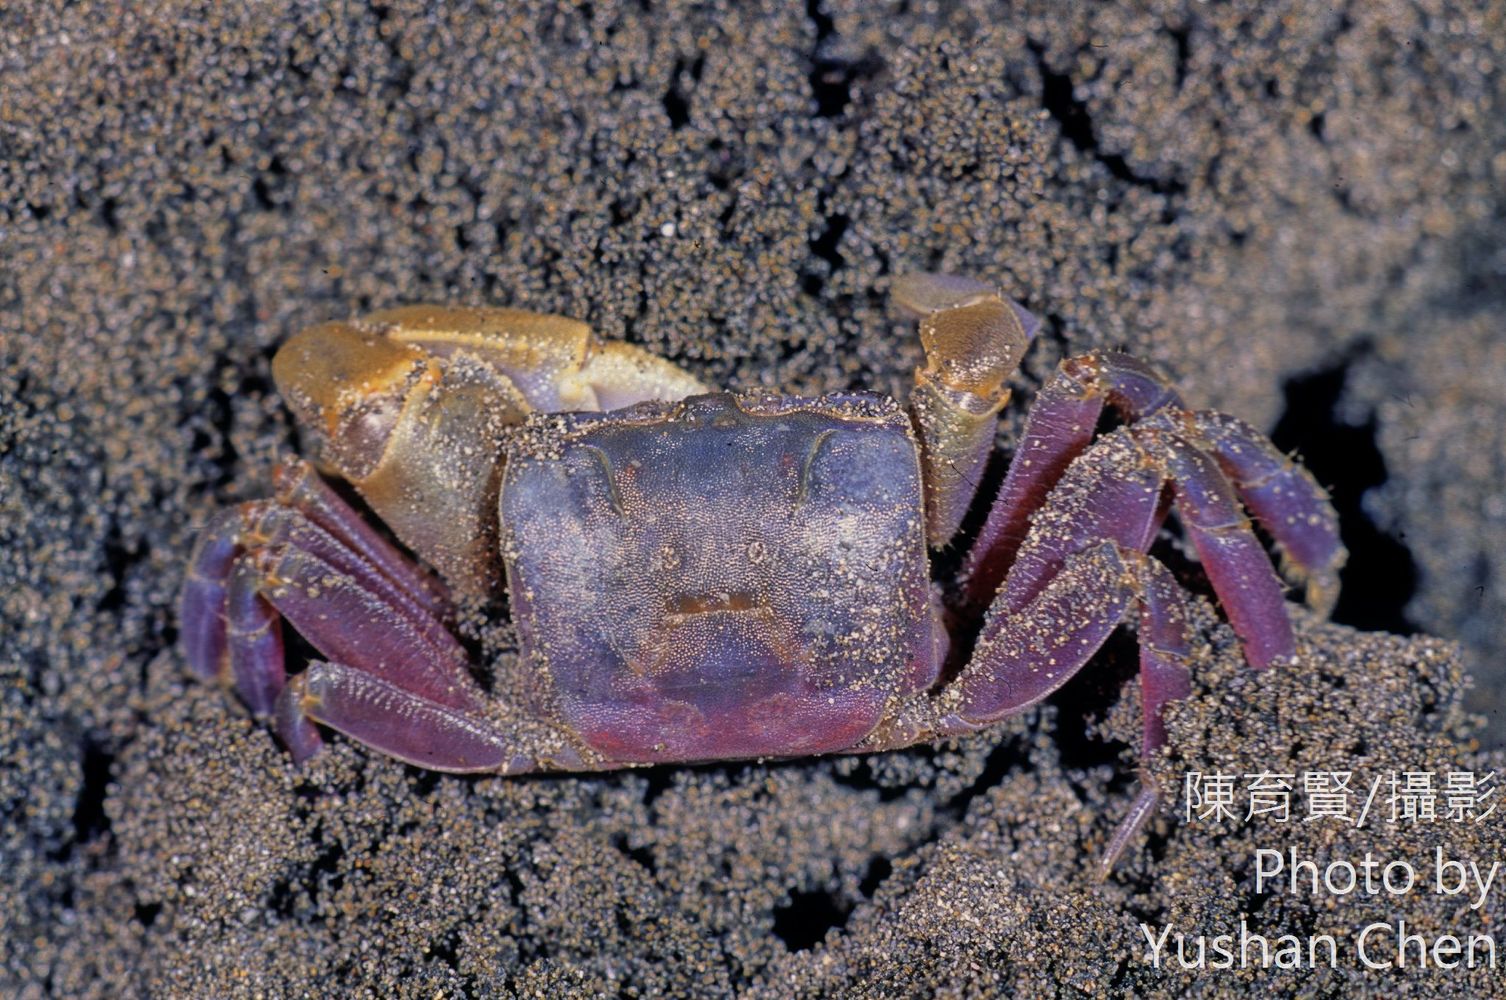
(700, 576)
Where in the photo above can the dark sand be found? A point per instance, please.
(1296, 210)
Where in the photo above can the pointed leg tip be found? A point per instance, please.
(295, 730)
(1322, 593)
(1130, 827)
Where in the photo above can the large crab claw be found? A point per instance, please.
(973, 339)
(409, 405)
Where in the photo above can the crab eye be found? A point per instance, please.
(593, 470)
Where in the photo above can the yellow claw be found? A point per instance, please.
(973, 339)
(557, 363)
(410, 405)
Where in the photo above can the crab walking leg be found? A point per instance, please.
(253, 641)
(347, 617)
(293, 550)
(230, 631)
(973, 339)
(1066, 592)
(302, 496)
(1164, 678)
(350, 594)
(1059, 428)
(1164, 647)
(357, 616)
(1022, 658)
(1112, 492)
(1285, 499)
(298, 486)
(1236, 563)
(399, 722)
(251, 559)
(202, 621)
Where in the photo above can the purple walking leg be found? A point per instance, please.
(401, 684)
(253, 639)
(1164, 678)
(1082, 563)
(1237, 566)
(1285, 499)
(1111, 493)
(1059, 429)
(297, 485)
(401, 724)
(1023, 657)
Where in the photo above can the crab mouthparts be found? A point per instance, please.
(724, 600)
(718, 637)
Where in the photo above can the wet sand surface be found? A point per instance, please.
(1296, 210)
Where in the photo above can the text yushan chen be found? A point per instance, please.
(1388, 944)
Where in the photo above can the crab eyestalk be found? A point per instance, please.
(973, 339)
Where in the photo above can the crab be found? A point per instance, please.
(698, 576)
